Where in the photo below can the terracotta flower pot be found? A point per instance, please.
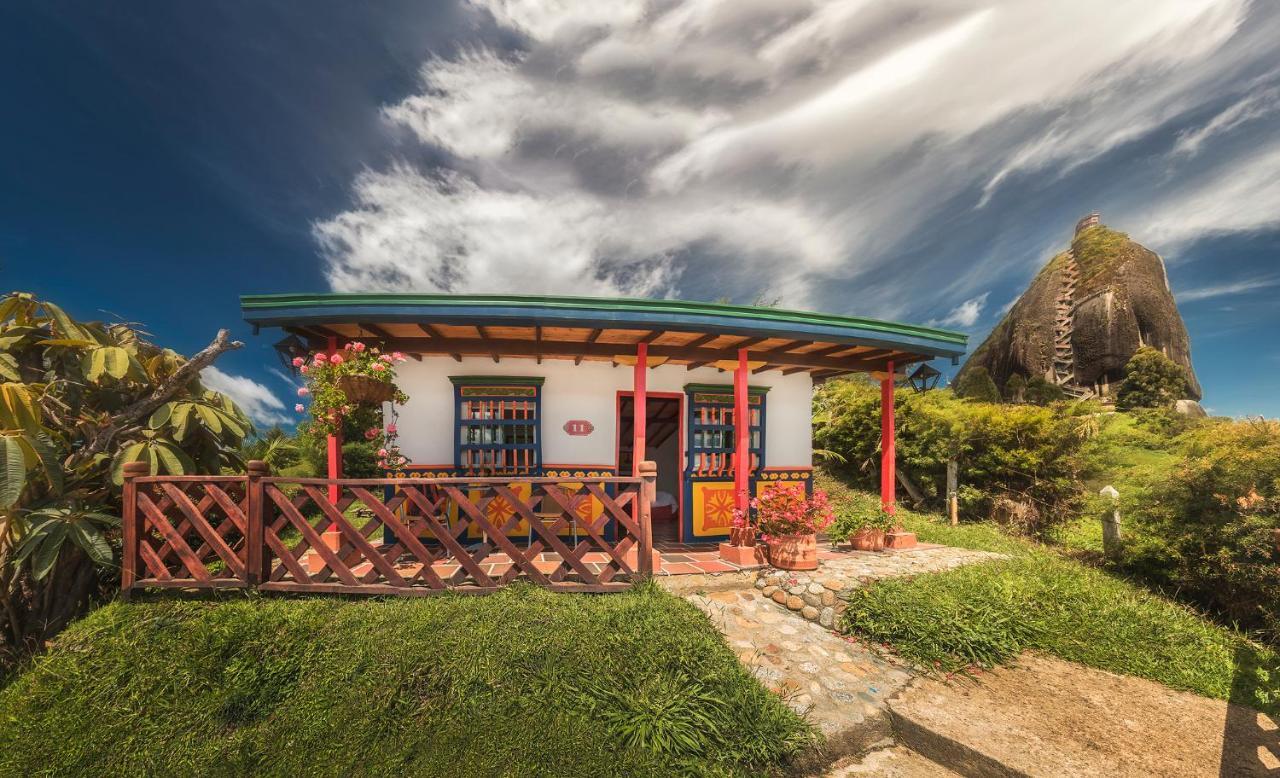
(794, 552)
(867, 539)
(365, 390)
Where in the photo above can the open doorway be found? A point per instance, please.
(663, 438)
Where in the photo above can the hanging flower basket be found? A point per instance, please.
(366, 390)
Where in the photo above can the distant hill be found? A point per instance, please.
(1085, 314)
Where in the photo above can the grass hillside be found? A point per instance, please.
(1038, 599)
(524, 682)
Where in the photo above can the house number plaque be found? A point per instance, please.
(580, 427)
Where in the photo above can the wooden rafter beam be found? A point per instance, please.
(529, 348)
(429, 330)
(702, 341)
(484, 335)
(652, 336)
(375, 329)
(748, 343)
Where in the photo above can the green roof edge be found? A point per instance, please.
(602, 303)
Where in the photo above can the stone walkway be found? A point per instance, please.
(820, 595)
(841, 684)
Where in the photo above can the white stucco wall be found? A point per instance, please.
(588, 391)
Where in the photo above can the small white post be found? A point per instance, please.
(953, 492)
(1111, 522)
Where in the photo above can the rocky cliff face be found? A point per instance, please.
(1085, 314)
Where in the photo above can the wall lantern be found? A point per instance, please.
(289, 348)
(924, 378)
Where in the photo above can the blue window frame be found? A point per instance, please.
(497, 425)
(711, 429)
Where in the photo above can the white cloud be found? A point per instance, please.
(966, 314)
(1245, 110)
(630, 139)
(1228, 288)
(256, 400)
(1238, 195)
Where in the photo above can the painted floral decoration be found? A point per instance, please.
(785, 509)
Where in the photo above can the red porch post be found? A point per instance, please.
(640, 399)
(741, 433)
(334, 448)
(741, 549)
(888, 449)
(889, 463)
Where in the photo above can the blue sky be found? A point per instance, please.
(915, 161)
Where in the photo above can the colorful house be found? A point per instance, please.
(522, 386)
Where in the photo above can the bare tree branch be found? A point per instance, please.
(162, 394)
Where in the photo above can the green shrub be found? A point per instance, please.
(523, 682)
(1015, 388)
(1042, 392)
(1151, 380)
(1213, 517)
(976, 384)
(1025, 452)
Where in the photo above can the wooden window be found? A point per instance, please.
(498, 426)
(711, 430)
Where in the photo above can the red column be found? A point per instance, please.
(888, 449)
(741, 433)
(334, 448)
(640, 397)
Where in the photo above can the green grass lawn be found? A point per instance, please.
(1038, 599)
(524, 682)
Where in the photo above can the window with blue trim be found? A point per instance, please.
(711, 429)
(497, 425)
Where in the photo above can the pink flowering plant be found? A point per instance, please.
(785, 509)
(331, 410)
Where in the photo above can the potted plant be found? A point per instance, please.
(789, 522)
(350, 386)
(864, 530)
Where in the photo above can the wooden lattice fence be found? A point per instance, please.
(385, 535)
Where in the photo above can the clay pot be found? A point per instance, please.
(867, 539)
(794, 552)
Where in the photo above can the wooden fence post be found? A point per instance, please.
(1111, 522)
(953, 491)
(257, 558)
(131, 525)
(648, 491)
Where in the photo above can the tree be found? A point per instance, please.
(78, 401)
(976, 384)
(1151, 380)
(1015, 388)
(1042, 392)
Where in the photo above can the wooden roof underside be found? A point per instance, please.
(823, 359)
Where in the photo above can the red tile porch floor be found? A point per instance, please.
(676, 559)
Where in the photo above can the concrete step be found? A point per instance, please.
(1047, 717)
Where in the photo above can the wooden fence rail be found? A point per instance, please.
(385, 535)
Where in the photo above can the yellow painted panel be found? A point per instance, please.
(762, 485)
(587, 507)
(499, 511)
(712, 508)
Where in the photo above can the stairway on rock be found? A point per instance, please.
(1064, 357)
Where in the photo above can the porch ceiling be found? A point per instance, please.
(584, 329)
